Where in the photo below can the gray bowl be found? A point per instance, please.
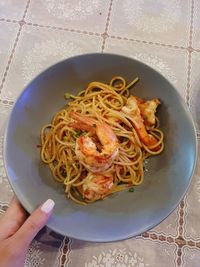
(122, 215)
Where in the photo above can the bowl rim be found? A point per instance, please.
(24, 201)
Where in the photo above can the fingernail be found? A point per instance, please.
(47, 206)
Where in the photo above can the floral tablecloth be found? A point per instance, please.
(164, 34)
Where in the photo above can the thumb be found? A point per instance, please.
(34, 224)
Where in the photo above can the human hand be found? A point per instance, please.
(17, 231)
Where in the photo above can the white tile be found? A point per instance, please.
(171, 62)
(191, 257)
(6, 192)
(8, 33)
(133, 252)
(12, 9)
(169, 226)
(38, 48)
(195, 89)
(44, 250)
(196, 26)
(155, 21)
(78, 14)
(191, 225)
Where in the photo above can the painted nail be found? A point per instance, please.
(47, 206)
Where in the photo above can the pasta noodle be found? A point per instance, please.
(108, 106)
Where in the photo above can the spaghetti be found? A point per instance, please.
(96, 145)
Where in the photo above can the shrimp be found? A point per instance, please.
(97, 151)
(96, 186)
(131, 108)
(148, 110)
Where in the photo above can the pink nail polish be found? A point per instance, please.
(47, 206)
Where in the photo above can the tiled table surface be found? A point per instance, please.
(164, 34)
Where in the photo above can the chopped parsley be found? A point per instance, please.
(78, 133)
(68, 95)
(132, 189)
(65, 138)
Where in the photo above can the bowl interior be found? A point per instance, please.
(124, 214)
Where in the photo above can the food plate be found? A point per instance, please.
(124, 214)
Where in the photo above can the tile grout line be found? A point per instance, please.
(26, 9)
(61, 28)
(6, 102)
(147, 42)
(105, 34)
(14, 47)
(158, 237)
(63, 247)
(99, 34)
(181, 218)
(190, 50)
(10, 59)
(182, 204)
(178, 256)
(179, 241)
(66, 249)
(9, 20)
(191, 24)
(180, 231)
